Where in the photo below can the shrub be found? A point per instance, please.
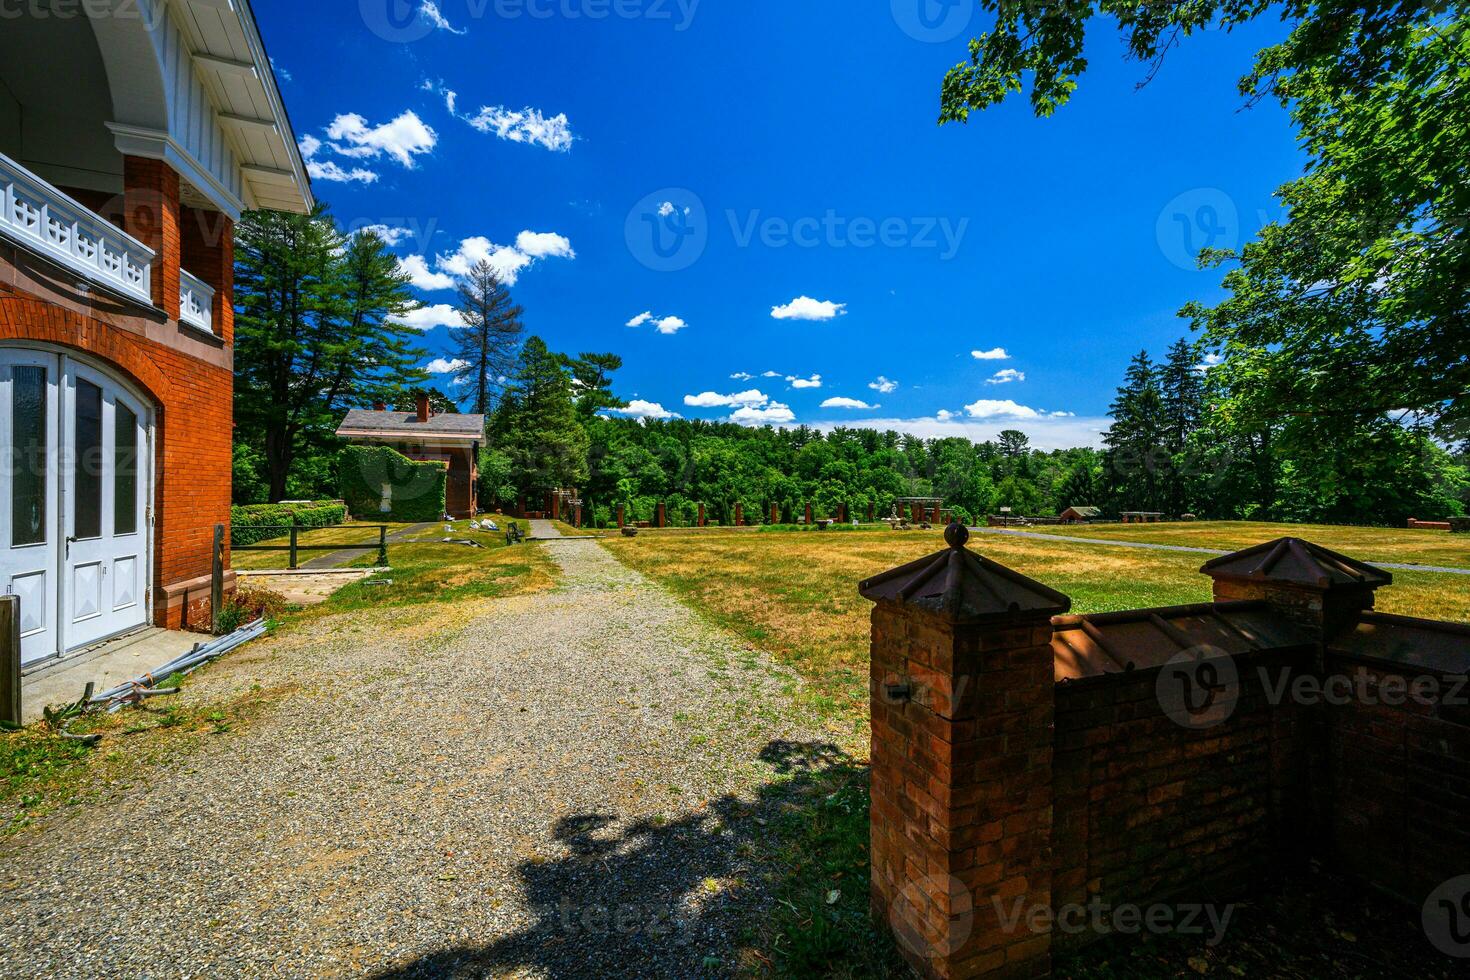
(256, 522)
(415, 490)
(249, 603)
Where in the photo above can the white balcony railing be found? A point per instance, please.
(41, 218)
(196, 302)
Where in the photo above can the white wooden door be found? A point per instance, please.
(30, 523)
(105, 551)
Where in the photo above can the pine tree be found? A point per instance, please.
(487, 342)
(315, 331)
(537, 426)
(1136, 439)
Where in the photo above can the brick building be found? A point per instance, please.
(133, 135)
(423, 435)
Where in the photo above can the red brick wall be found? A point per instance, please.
(207, 249)
(1398, 777)
(151, 215)
(1149, 811)
(194, 418)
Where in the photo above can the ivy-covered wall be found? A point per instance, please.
(371, 475)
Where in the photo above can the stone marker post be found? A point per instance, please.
(739, 515)
(622, 513)
(701, 515)
(775, 514)
(808, 515)
(662, 518)
(963, 706)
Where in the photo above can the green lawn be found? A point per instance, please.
(1364, 543)
(356, 534)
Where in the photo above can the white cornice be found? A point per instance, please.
(153, 144)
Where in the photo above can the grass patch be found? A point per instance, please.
(1363, 543)
(41, 772)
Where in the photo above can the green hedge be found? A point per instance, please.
(416, 489)
(256, 522)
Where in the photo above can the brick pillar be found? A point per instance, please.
(808, 514)
(918, 510)
(521, 506)
(739, 515)
(701, 515)
(871, 514)
(1319, 589)
(662, 519)
(577, 516)
(962, 714)
(775, 513)
(621, 512)
(937, 516)
(207, 249)
(151, 215)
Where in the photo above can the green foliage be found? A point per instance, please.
(537, 427)
(316, 332)
(416, 488)
(256, 522)
(246, 605)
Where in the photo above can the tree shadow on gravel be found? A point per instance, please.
(680, 897)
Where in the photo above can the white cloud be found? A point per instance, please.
(846, 403)
(883, 386)
(815, 381)
(770, 374)
(440, 365)
(663, 324)
(713, 399)
(308, 145)
(775, 413)
(429, 11)
(332, 172)
(994, 354)
(422, 276)
(390, 234)
(429, 317)
(806, 308)
(944, 415)
(402, 139)
(639, 409)
(521, 125)
(508, 261)
(986, 408)
(1005, 377)
(741, 376)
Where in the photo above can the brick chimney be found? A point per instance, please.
(380, 406)
(424, 411)
(963, 703)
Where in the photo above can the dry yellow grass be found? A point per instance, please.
(1364, 543)
(795, 593)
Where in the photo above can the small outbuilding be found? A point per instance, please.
(1080, 515)
(425, 436)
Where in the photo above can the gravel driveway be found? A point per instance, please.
(569, 784)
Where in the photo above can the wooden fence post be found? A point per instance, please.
(10, 659)
(293, 542)
(382, 545)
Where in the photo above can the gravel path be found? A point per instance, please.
(568, 784)
(1156, 546)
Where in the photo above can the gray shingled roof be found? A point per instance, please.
(362, 422)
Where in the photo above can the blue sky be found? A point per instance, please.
(816, 230)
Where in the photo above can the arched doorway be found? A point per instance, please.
(75, 535)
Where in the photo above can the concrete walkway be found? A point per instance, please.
(106, 665)
(1154, 546)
